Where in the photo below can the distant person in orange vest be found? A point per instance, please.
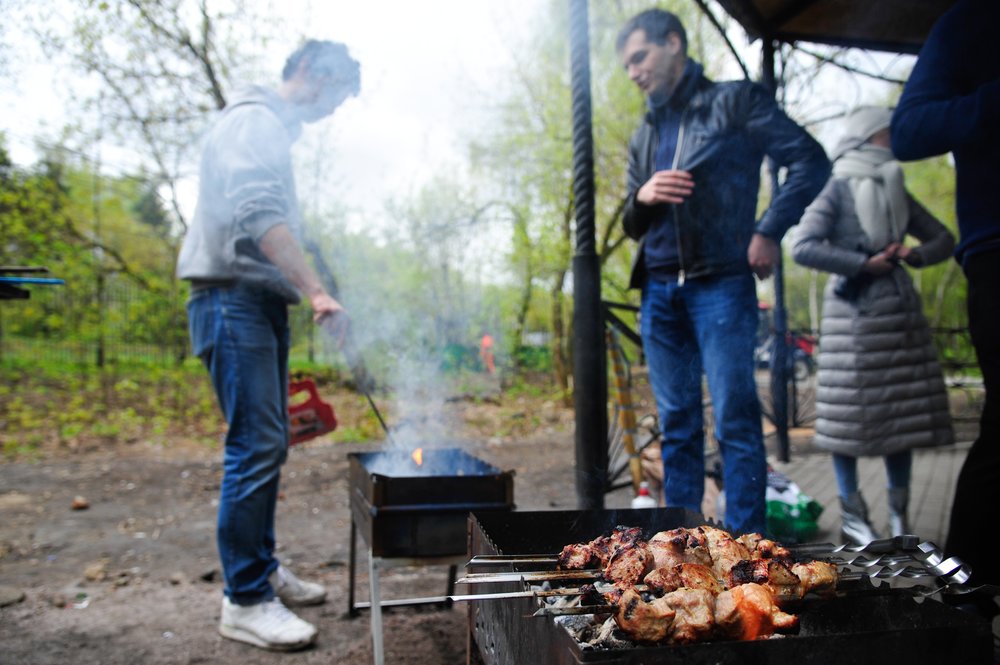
(486, 353)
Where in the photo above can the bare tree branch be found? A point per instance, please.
(831, 60)
(722, 31)
(202, 55)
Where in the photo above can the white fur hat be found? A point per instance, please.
(861, 124)
(864, 121)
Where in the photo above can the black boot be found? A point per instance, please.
(854, 525)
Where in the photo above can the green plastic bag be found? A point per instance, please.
(791, 515)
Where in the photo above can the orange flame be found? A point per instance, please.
(418, 456)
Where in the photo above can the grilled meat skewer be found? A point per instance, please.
(701, 583)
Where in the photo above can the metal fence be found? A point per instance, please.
(119, 323)
(123, 325)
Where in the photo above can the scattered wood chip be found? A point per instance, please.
(10, 596)
(96, 571)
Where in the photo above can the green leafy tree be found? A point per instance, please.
(530, 153)
(157, 69)
(83, 227)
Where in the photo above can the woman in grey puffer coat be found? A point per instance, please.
(880, 391)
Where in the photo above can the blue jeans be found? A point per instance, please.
(897, 471)
(241, 335)
(707, 326)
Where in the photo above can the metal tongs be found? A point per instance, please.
(340, 332)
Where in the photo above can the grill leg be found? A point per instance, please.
(452, 576)
(352, 609)
(376, 610)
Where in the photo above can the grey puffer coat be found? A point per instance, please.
(879, 385)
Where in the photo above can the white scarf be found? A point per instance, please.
(876, 181)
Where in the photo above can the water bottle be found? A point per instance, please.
(642, 498)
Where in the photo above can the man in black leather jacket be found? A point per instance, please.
(693, 178)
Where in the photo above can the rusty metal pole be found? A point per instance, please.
(590, 388)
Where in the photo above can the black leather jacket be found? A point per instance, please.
(726, 130)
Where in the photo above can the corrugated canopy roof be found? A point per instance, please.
(898, 26)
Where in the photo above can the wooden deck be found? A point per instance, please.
(935, 470)
(932, 487)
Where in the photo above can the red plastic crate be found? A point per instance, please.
(309, 418)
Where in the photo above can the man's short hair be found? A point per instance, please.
(657, 24)
(325, 59)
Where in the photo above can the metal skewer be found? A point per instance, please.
(501, 559)
(886, 552)
(893, 545)
(529, 576)
(846, 575)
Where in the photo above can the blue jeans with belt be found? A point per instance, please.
(241, 335)
(708, 326)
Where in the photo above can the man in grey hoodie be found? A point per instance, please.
(245, 264)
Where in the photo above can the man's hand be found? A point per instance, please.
(666, 187)
(331, 316)
(763, 255)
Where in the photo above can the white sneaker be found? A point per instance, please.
(295, 592)
(269, 625)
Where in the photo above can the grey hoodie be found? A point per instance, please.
(246, 187)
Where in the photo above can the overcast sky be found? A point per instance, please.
(429, 69)
(425, 66)
(424, 69)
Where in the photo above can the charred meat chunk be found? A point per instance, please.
(683, 575)
(779, 579)
(818, 577)
(629, 564)
(748, 612)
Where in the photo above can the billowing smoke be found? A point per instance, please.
(416, 321)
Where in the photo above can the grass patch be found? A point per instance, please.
(51, 406)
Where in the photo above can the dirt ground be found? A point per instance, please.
(134, 577)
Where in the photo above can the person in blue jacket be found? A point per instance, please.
(951, 103)
(693, 180)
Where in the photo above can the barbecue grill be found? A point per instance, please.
(417, 514)
(866, 623)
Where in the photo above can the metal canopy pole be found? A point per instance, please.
(779, 354)
(590, 388)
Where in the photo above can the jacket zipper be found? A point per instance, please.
(677, 219)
